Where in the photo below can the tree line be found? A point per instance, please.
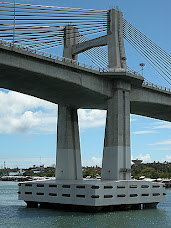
(149, 170)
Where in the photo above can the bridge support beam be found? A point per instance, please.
(116, 163)
(68, 158)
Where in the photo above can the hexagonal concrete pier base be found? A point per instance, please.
(92, 195)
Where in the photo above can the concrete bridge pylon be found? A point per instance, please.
(115, 43)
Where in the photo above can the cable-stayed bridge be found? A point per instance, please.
(26, 32)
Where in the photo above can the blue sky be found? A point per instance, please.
(28, 125)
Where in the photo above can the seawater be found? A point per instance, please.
(15, 214)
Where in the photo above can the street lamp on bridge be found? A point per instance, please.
(142, 66)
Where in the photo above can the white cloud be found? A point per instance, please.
(16, 103)
(165, 142)
(162, 149)
(23, 113)
(91, 118)
(93, 161)
(146, 158)
(168, 158)
(31, 122)
(162, 125)
(144, 132)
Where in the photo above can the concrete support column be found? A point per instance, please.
(68, 158)
(116, 163)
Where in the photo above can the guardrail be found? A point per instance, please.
(52, 56)
(65, 60)
(131, 71)
(151, 85)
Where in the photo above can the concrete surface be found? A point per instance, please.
(91, 192)
(116, 153)
(68, 157)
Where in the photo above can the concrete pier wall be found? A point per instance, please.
(91, 192)
(116, 164)
(68, 157)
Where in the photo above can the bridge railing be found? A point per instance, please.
(131, 71)
(151, 85)
(65, 60)
(52, 56)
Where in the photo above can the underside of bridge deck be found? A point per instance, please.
(49, 88)
(152, 110)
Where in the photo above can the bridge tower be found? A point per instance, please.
(115, 43)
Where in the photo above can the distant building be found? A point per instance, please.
(137, 161)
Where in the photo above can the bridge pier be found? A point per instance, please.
(116, 190)
(68, 158)
(116, 163)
